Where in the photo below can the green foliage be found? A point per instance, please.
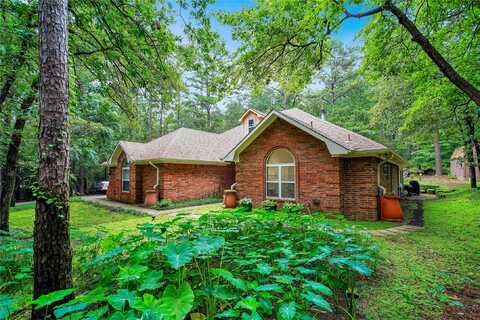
(291, 207)
(269, 205)
(246, 204)
(169, 204)
(164, 203)
(225, 264)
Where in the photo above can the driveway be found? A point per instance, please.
(196, 210)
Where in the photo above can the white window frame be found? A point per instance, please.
(279, 182)
(252, 126)
(126, 166)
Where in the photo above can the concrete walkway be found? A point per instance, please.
(395, 230)
(102, 200)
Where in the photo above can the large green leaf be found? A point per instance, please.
(151, 280)
(264, 268)
(249, 303)
(223, 293)
(97, 313)
(228, 314)
(178, 255)
(177, 303)
(117, 300)
(6, 305)
(354, 265)
(206, 245)
(317, 286)
(288, 310)
(317, 300)
(52, 297)
(269, 287)
(227, 275)
(131, 273)
(149, 306)
(62, 310)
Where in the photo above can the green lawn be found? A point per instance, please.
(84, 216)
(419, 272)
(421, 269)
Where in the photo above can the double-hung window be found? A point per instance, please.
(126, 177)
(251, 125)
(280, 175)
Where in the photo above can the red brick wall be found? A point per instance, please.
(341, 185)
(359, 188)
(186, 181)
(318, 175)
(115, 192)
(177, 181)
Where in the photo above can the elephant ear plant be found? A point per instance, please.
(229, 264)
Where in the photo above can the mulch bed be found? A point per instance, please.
(470, 298)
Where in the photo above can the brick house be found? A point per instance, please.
(287, 156)
(459, 167)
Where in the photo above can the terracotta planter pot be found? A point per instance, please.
(230, 198)
(391, 210)
(151, 197)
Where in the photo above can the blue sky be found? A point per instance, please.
(346, 33)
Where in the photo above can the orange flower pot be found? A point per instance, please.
(230, 198)
(151, 197)
(391, 210)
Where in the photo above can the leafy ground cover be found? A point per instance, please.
(229, 264)
(423, 272)
(232, 264)
(166, 204)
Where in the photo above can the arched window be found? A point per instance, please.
(126, 177)
(280, 177)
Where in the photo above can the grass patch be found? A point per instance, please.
(84, 216)
(420, 268)
(166, 204)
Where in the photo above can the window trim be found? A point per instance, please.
(280, 182)
(252, 126)
(125, 166)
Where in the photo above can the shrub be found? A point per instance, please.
(292, 207)
(164, 203)
(236, 265)
(269, 205)
(169, 204)
(246, 204)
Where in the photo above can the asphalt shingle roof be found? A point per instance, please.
(346, 138)
(196, 145)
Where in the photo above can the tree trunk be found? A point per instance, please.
(447, 70)
(10, 167)
(81, 179)
(438, 155)
(18, 62)
(52, 254)
(470, 144)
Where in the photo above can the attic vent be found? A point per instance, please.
(349, 138)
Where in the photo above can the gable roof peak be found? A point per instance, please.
(259, 114)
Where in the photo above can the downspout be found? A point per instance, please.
(158, 175)
(232, 187)
(378, 174)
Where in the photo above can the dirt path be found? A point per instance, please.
(102, 200)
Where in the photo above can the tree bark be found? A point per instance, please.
(52, 255)
(10, 167)
(445, 67)
(438, 154)
(81, 179)
(18, 61)
(471, 144)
